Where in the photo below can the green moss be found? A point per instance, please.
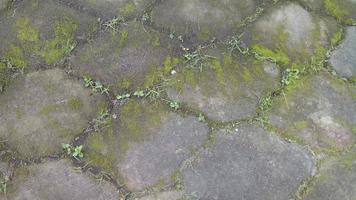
(335, 8)
(128, 9)
(349, 160)
(138, 120)
(98, 149)
(75, 103)
(219, 73)
(152, 78)
(204, 34)
(16, 57)
(46, 110)
(169, 63)
(124, 83)
(337, 37)
(156, 74)
(25, 31)
(4, 76)
(57, 126)
(227, 60)
(299, 125)
(159, 184)
(123, 35)
(62, 43)
(277, 56)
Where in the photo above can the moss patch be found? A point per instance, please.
(25, 30)
(63, 42)
(276, 56)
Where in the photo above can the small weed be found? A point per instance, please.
(290, 76)
(114, 24)
(101, 119)
(196, 59)
(146, 93)
(174, 105)
(123, 96)
(140, 93)
(146, 19)
(265, 103)
(235, 43)
(69, 47)
(172, 35)
(76, 152)
(201, 117)
(96, 86)
(3, 184)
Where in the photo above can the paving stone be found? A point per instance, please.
(58, 180)
(130, 58)
(201, 19)
(112, 8)
(343, 59)
(3, 4)
(248, 163)
(343, 10)
(145, 145)
(170, 195)
(41, 110)
(337, 179)
(288, 33)
(41, 32)
(319, 111)
(227, 88)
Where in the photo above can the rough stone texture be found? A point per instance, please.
(41, 110)
(319, 111)
(248, 163)
(343, 59)
(41, 32)
(3, 4)
(113, 8)
(57, 180)
(228, 88)
(337, 179)
(291, 29)
(203, 19)
(170, 195)
(123, 60)
(146, 144)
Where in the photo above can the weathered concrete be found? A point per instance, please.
(41, 110)
(343, 59)
(319, 111)
(57, 180)
(248, 163)
(337, 179)
(227, 88)
(145, 145)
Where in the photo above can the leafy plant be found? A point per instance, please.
(96, 86)
(174, 105)
(196, 59)
(88, 81)
(201, 117)
(123, 96)
(76, 152)
(265, 103)
(101, 119)
(235, 43)
(114, 23)
(146, 18)
(290, 76)
(140, 93)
